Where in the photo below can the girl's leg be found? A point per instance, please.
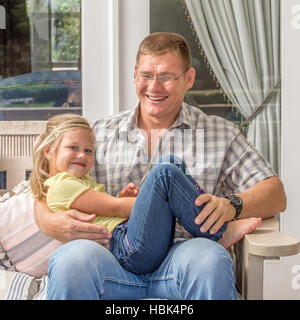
(232, 231)
(142, 243)
(171, 158)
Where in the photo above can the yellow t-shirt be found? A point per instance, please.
(64, 189)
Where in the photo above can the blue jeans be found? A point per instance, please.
(195, 269)
(141, 244)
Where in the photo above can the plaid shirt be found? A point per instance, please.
(219, 158)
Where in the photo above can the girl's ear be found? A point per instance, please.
(47, 152)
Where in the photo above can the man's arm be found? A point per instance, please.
(69, 225)
(265, 199)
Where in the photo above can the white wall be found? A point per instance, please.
(282, 278)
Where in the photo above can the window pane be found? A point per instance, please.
(169, 16)
(2, 179)
(27, 174)
(40, 60)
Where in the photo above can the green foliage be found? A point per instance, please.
(40, 93)
(66, 46)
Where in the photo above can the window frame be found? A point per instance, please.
(106, 83)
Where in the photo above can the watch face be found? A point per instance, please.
(236, 202)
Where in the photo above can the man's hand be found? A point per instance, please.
(131, 190)
(263, 200)
(69, 225)
(216, 212)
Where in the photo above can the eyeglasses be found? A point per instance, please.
(147, 78)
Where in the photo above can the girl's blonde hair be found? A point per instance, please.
(52, 136)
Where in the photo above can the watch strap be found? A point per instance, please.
(236, 202)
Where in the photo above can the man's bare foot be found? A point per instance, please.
(237, 229)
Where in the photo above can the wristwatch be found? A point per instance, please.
(236, 202)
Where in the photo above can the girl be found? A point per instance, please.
(63, 156)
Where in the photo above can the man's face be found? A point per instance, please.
(162, 100)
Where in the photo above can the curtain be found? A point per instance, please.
(241, 40)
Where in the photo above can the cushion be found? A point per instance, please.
(24, 247)
(17, 286)
(5, 263)
(42, 293)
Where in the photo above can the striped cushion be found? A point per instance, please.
(41, 295)
(27, 248)
(17, 286)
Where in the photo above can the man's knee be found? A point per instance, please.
(203, 256)
(75, 256)
(75, 271)
(204, 270)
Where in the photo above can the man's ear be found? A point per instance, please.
(47, 152)
(190, 78)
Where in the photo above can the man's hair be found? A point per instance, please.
(159, 43)
(55, 128)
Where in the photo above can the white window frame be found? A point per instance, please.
(111, 33)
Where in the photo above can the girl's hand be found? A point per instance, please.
(131, 190)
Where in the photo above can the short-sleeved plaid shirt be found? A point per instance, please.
(218, 157)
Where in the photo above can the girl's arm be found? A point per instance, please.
(103, 204)
(69, 225)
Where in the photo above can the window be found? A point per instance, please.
(2, 180)
(27, 174)
(40, 59)
(169, 16)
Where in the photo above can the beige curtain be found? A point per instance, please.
(242, 42)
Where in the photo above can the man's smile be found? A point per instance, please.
(156, 98)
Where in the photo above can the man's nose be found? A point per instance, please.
(155, 84)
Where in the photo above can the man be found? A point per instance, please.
(220, 159)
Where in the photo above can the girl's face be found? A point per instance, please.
(73, 155)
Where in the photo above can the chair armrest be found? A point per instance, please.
(249, 253)
(267, 241)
